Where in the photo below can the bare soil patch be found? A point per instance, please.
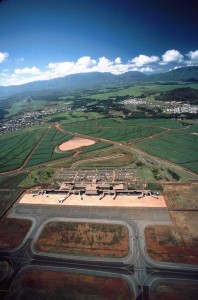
(12, 232)
(41, 284)
(177, 243)
(181, 196)
(75, 143)
(93, 239)
(174, 291)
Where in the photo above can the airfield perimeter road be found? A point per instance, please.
(138, 269)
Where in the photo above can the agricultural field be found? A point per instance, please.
(169, 139)
(72, 117)
(13, 231)
(120, 130)
(45, 151)
(178, 146)
(51, 285)
(89, 239)
(48, 151)
(15, 148)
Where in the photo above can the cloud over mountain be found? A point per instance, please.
(171, 59)
(171, 56)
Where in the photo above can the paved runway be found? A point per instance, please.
(153, 214)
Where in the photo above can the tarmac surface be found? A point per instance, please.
(138, 269)
(107, 201)
(73, 211)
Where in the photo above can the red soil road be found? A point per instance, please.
(53, 285)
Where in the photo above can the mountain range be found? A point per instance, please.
(100, 80)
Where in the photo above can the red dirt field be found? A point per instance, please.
(171, 244)
(75, 143)
(93, 239)
(174, 291)
(41, 284)
(12, 232)
(181, 196)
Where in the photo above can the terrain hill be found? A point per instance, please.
(99, 80)
(180, 74)
(187, 94)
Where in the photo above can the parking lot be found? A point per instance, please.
(105, 175)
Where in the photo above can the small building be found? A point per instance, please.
(91, 189)
(66, 186)
(120, 186)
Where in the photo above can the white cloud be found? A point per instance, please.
(3, 56)
(84, 64)
(193, 57)
(86, 61)
(33, 71)
(171, 56)
(118, 60)
(142, 60)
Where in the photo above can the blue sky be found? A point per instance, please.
(43, 39)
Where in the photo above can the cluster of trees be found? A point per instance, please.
(188, 95)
